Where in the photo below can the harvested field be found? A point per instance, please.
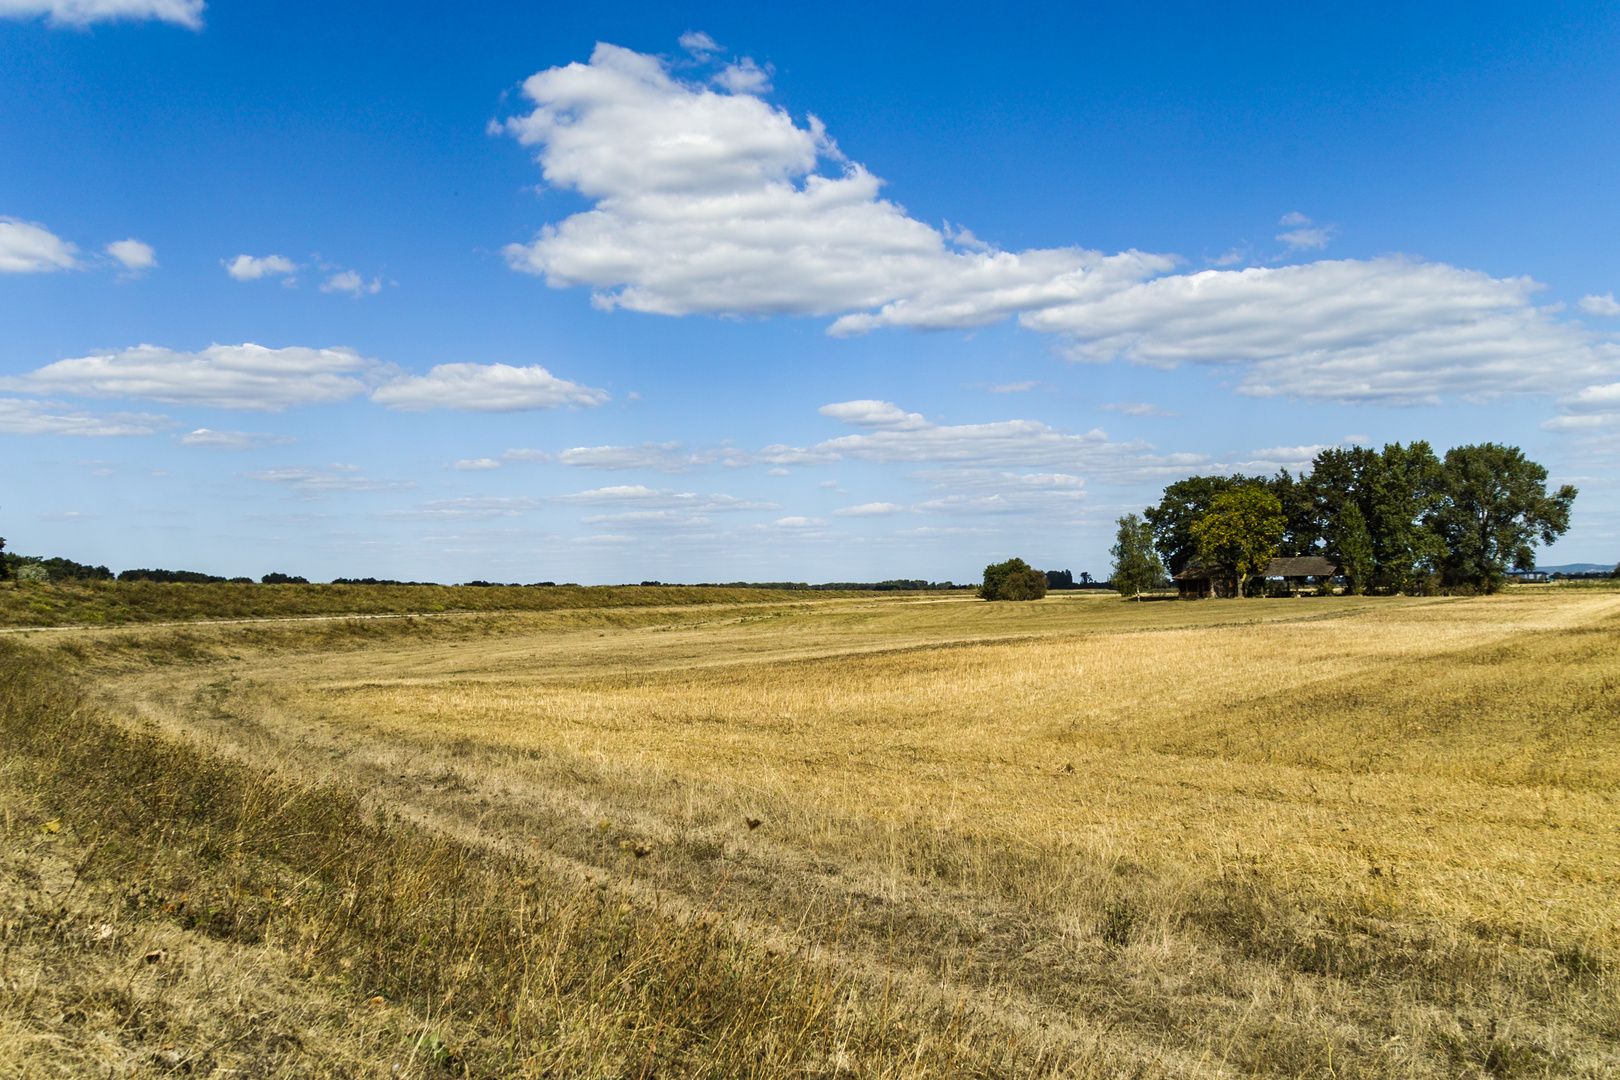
(1316, 837)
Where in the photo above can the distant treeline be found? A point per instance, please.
(898, 585)
(58, 569)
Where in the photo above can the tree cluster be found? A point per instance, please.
(1014, 579)
(1400, 518)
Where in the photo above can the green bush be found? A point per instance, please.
(1014, 579)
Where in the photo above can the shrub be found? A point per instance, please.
(1014, 579)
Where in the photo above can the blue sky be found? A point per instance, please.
(525, 292)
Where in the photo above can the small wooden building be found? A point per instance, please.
(1199, 582)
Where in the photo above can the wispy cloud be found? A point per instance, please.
(82, 13)
(20, 417)
(232, 440)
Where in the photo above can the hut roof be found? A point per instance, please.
(1298, 566)
(1301, 566)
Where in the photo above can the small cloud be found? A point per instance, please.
(699, 44)
(30, 248)
(798, 523)
(745, 77)
(347, 281)
(1014, 387)
(248, 268)
(526, 455)
(871, 509)
(827, 485)
(964, 238)
(633, 396)
(136, 256)
(485, 388)
(878, 415)
(778, 472)
(476, 464)
(232, 440)
(1356, 440)
(1308, 236)
(1232, 257)
(69, 515)
(1604, 305)
(1136, 408)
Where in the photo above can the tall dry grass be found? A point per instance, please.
(1331, 837)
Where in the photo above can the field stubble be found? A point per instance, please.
(1334, 837)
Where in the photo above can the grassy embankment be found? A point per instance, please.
(1334, 837)
(172, 912)
(116, 603)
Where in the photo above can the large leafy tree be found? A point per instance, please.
(1494, 508)
(1136, 565)
(1240, 533)
(1394, 493)
(1183, 504)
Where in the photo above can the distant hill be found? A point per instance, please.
(1577, 568)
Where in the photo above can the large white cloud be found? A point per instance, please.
(20, 417)
(28, 248)
(187, 13)
(717, 202)
(485, 388)
(1388, 330)
(243, 376)
(710, 202)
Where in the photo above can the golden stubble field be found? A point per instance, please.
(1243, 835)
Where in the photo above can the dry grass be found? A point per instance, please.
(1340, 837)
(117, 603)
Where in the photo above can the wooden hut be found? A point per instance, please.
(1198, 582)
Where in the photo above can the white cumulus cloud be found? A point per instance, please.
(349, 281)
(135, 255)
(29, 248)
(485, 388)
(246, 376)
(707, 201)
(476, 464)
(1604, 305)
(1388, 330)
(711, 202)
(249, 268)
(871, 509)
(82, 13)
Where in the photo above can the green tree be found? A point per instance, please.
(1494, 508)
(1182, 505)
(1240, 533)
(1395, 492)
(1014, 579)
(1136, 564)
(1353, 545)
